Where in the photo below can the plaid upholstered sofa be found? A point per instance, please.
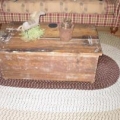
(97, 12)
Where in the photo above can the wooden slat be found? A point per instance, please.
(75, 63)
(51, 42)
(52, 76)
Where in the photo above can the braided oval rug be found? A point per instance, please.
(100, 101)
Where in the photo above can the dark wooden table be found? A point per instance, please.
(51, 59)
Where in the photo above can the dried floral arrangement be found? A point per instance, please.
(32, 34)
(67, 23)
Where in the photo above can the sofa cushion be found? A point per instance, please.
(48, 6)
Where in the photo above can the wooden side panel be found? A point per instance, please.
(48, 66)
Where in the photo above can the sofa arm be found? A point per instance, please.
(113, 4)
(116, 13)
(1, 5)
(117, 4)
(116, 1)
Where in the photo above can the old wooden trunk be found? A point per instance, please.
(51, 59)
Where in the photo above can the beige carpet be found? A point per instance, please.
(65, 104)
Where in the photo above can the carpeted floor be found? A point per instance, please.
(18, 103)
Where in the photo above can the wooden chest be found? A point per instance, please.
(51, 59)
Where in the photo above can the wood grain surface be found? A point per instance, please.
(49, 58)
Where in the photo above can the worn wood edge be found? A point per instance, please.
(51, 77)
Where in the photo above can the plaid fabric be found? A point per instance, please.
(117, 20)
(1, 2)
(0, 10)
(117, 7)
(96, 19)
(110, 6)
(117, 13)
(9, 17)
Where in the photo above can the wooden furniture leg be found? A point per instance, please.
(113, 29)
